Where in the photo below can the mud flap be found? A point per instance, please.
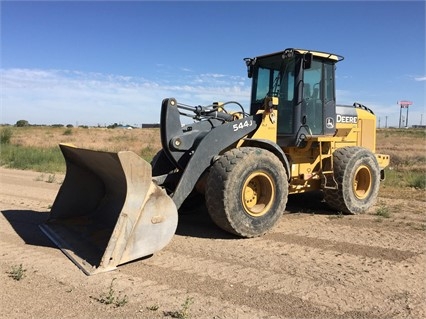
(108, 211)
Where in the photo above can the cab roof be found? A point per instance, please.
(292, 51)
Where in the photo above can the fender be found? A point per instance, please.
(272, 147)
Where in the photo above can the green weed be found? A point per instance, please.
(17, 272)
(153, 307)
(383, 211)
(51, 178)
(184, 312)
(338, 215)
(111, 298)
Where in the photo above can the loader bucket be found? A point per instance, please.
(108, 211)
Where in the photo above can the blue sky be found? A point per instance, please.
(104, 62)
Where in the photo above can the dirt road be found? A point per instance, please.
(315, 264)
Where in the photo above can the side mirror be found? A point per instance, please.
(307, 60)
(250, 64)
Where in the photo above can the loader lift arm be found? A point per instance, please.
(191, 149)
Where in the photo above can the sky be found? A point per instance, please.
(104, 62)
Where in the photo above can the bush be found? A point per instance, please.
(68, 131)
(6, 135)
(418, 181)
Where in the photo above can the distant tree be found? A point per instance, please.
(113, 125)
(70, 126)
(22, 123)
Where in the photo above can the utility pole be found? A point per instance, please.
(404, 105)
(386, 122)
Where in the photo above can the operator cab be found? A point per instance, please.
(303, 82)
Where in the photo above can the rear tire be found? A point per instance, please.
(358, 178)
(246, 191)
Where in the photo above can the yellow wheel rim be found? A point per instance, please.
(258, 194)
(362, 182)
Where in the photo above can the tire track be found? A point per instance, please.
(49, 262)
(318, 228)
(326, 264)
(326, 299)
(397, 224)
(294, 268)
(143, 292)
(343, 246)
(208, 303)
(224, 281)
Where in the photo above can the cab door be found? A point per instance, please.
(318, 106)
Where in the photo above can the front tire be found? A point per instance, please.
(357, 174)
(246, 191)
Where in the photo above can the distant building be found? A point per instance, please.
(148, 125)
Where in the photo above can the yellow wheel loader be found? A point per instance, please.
(115, 208)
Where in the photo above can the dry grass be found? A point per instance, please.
(406, 175)
(407, 148)
(112, 140)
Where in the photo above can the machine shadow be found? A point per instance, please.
(194, 220)
(26, 224)
(308, 203)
